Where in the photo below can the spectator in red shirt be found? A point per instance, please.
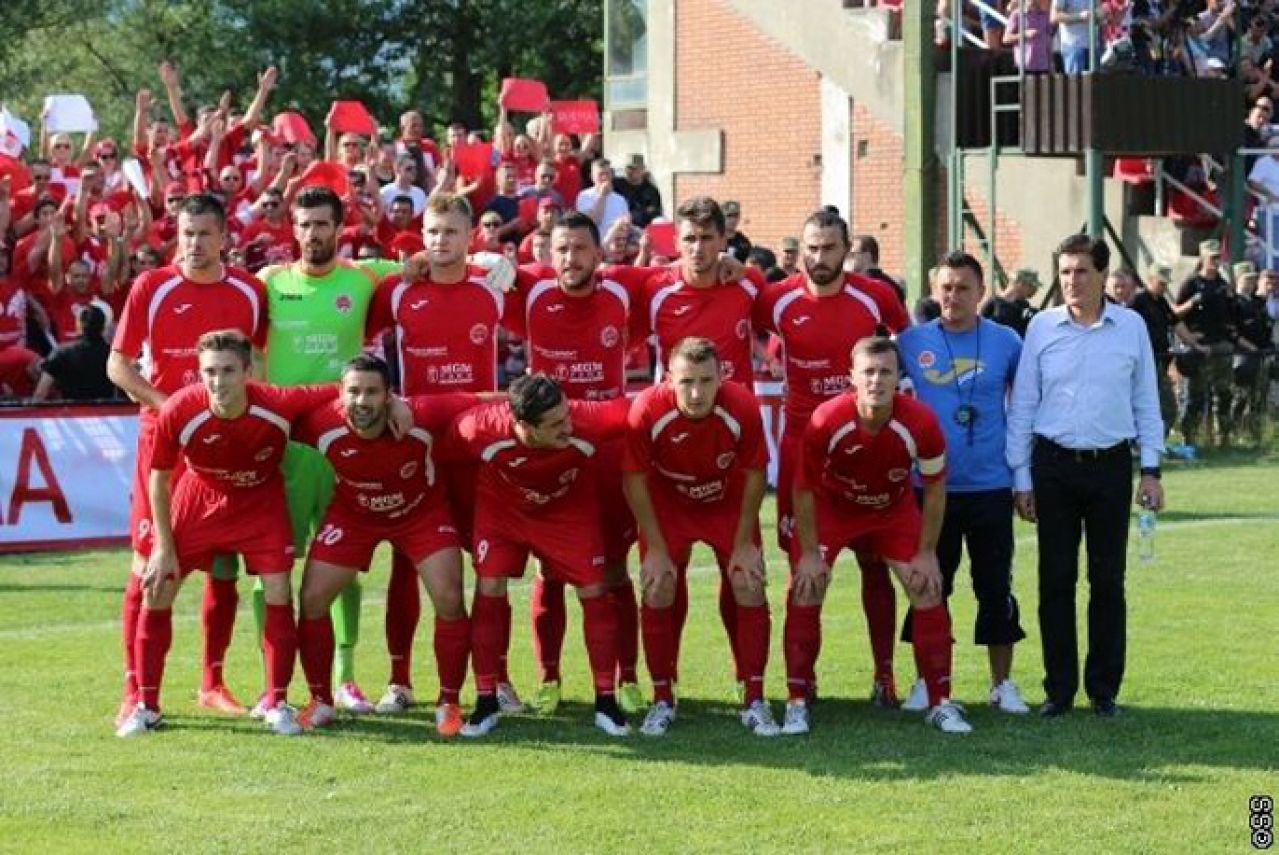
(269, 238)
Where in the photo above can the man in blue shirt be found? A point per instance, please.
(1085, 390)
(962, 366)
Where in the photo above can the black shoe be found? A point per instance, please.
(1105, 707)
(1053, 709)
(484, 717)
(609, 716)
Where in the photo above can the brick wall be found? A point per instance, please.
(879, 200)
(766, 101)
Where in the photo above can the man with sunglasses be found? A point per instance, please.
(269, 238)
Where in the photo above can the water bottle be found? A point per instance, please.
(1145, 535)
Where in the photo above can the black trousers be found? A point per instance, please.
(1082, 495)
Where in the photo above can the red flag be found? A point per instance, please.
(575, 117)
(16, 171)
(662, 238)
(292, 128)
(525, 96)
(323, 173)
(351, 117)
(474, 160)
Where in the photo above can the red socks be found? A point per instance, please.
(802, 641)
(487, 637)
(879, 602)
(660, 650)
(503, 674)
(754, 624)
(403, 611)
(728, 615)
(150, 647)
(599, 626)
(933, 650)
(217, 614)
(130, 610)
(280, 646)
(679, 616)
(452, 647)
(315, 649)
(550, 621)
(627, 631)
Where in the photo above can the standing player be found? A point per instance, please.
(694, 300)
(445, 326)
(853, 489)
(819, 314)
(694, 471)
(167, 310)
(388, 489)
(230, 499)
(536, 494)
(962, 366)
(577, 328)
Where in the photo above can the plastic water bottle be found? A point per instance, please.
(1145, 535)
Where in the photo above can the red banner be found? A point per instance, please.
(575, 117)
(292, 128)
(351, 117)
(524, 96)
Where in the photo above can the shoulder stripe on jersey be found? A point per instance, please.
(534, 293)
(749, 287)
(619, 292)
(734, 427)
(582, 445)
(188, 429)
(838, 435)
(274, 418)
(157, 298)
(780, 306)
(492, 451)
(252, 296)
(658, 299)
(866, 300)
(424, 437)
(660, 424)
(397, 295)
(329, 437)
(904, 432)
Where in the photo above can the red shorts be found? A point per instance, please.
(16, 363)
(140, 534)
(788, 451)
(566, 540)
(684, 524)
(252, 522)
(616, 520)
(891, 534)
(348, 539)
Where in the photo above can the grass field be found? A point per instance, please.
(1201, 733)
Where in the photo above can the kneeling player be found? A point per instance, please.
(853, 489)
(230, 499)
(694, 464)
(388, 489)
(537, 469)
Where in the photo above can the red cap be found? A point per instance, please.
(409, 242)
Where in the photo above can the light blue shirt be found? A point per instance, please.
(981, 373)
(1084, 387)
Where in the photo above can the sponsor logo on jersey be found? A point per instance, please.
(962, 370)
(343, 303)
(182, 309)
(609, 336)
(347, 452)
(264, 454)
(800, 321)
(568, 476)
(897, 474)
(682, 310)
(853, 449)
(516, 461)
(479, 334)
(408, 470)
(211, 438)
(679, 437)
(554, 307)
(417, 304)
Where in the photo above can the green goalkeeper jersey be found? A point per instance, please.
(316, 324)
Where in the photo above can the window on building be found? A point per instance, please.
(626, 53)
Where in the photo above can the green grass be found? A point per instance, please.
(1200, 736)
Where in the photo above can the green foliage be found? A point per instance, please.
(1173, 774)
(443, 57)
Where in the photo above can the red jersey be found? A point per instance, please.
(13, 312)
(384, 479)
(167, 312)
(675, 310)
(819, 332)
(579, 340)
(446, 335)
(701, 461)
(870, 471)
(238, 453)
(513, 475)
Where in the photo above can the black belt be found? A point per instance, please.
(1080, 455)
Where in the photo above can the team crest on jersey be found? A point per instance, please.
(725, 460)
(743, 328)
(897, 475)
(189, 377)
(479, 334)
(408, 470)
(343, 303)
(569, 476)
(264, 454)
(609, 336)
(927, 359)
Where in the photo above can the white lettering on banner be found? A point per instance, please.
(65, 476)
